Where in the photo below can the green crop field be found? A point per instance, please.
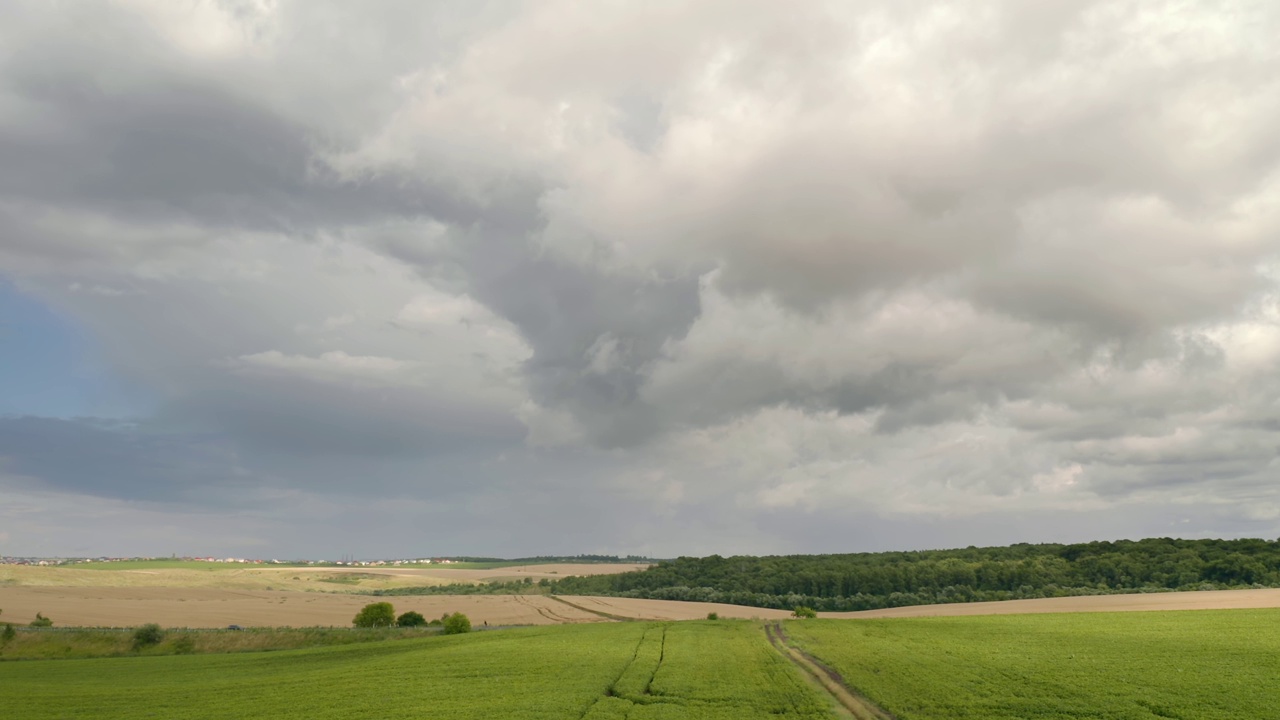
(1193, 665)
(636, 670)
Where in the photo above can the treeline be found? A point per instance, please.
(511, 587)
(868, 581)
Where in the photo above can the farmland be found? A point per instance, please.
(69, 643)
(1209, 665)
(638, 670)
(176, 574)
(214, 607)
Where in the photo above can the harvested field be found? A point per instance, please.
(212, 607)
(640, 609)
(442, 575)
(322, 596)
(327, 579)
(1202, 600)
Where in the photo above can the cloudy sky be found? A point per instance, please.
(306, 278)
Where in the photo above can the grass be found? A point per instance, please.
(80, 643)
(1201, 664)
(1192, 665)
(700, 671)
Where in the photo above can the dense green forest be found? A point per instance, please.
(866, 581)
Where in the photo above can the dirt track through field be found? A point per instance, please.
(855, 705)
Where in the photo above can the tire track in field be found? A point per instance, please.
(609, 691)
(662, 654)
(547, 613)
(859, 707)
(600, 613)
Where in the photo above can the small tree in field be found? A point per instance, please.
(9, 633)
(457, 623)
(41, 621)
(379, 614)
(147, 635)
(411, 619)
(803, 612)
(713, 616)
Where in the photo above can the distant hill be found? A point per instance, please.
(869, 581)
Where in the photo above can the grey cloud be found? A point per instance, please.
(930, 263)
(306, 418)
(118, 459)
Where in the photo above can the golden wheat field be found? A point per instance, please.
(304, 597)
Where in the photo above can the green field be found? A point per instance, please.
(1193, 665)
(68, 643)
(636, 670)
(1199, 664)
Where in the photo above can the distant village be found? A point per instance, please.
(5, 560)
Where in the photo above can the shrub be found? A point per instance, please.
(804, 612)
(147, 635)
(437, 622)
(184, 644)
(9, 633)
(457, 623)
(411, 619)
(379, 614)
(713, 616)
(41, 621)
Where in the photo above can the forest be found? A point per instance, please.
(868, 581)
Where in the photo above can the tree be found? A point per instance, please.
(804, 612)
(147, 635)
(713, 616)
(9, 633)
(379, 614)
(457, 623)
(411, 619)
(41, 621)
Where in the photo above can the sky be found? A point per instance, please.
(400, 279)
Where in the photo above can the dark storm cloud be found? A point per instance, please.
(116, 459)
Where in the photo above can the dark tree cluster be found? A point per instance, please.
(866, 581)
